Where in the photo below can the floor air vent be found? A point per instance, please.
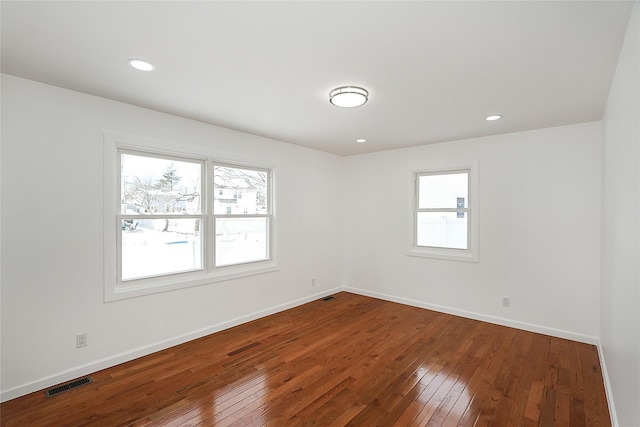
(68, 386)
(329, 298)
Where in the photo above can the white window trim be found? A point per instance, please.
(450, 254)
(114, 289)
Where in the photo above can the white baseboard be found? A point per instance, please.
(607, 387)
(117, 359)
(588, 339)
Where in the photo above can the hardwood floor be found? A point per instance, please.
(350, 361)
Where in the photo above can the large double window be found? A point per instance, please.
(183, 220)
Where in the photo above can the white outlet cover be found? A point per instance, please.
(81, 340)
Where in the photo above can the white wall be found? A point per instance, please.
(539, 230)
(620, 295)
(52, 242)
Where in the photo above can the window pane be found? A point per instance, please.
(239, 191)
(442, 229)
(444, 191)
(151, 185)
(153, 247)
(240, 240)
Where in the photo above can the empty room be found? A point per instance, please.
(362, 213)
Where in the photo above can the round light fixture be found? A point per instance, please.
(492, 118)
(141, 65)
(348, 96)
(361, 140)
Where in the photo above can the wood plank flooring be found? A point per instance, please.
(350, 361)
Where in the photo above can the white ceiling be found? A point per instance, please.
(434, 70)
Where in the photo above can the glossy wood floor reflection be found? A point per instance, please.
(350, 361)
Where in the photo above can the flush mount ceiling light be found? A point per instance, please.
(141, 65)
(361, 140)
(348, 96)
(492, 118)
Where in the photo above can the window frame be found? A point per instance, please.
(114, 287)
(237, 196)
(452, 254)
(120, 216)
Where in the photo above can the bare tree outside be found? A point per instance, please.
(145, 191)
(229, 177)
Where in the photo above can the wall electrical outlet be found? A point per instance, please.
(81, 340)
(506, 301)
(313, 281)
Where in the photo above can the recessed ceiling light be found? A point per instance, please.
(348, 96)
(141, 65)
(361, 140)
(492, 118)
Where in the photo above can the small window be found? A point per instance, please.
(440, 218)
(443, 219)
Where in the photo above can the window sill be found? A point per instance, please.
(165, 284)
(443, 253)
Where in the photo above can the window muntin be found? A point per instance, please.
(442, 210)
